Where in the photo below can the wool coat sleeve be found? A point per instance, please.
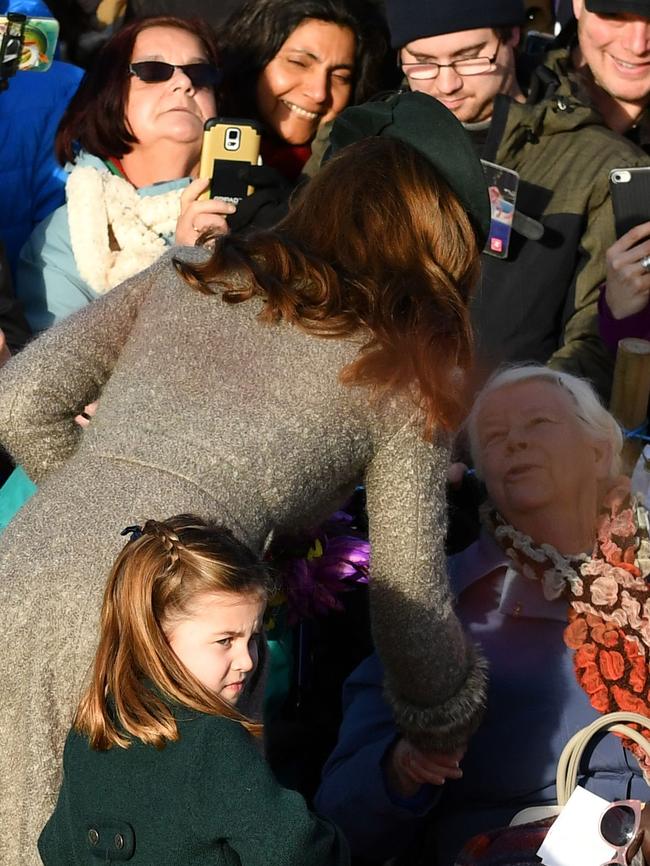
(434, 682)
(264, 823)
(44, 387)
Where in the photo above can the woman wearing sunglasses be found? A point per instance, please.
(131, 139)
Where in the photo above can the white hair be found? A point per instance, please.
(600, 425)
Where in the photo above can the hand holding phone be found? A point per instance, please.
(28, 45)
(630, 191)
(199, 214)
(628, 272)
(628, 260)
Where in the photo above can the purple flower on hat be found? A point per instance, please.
(333, 561)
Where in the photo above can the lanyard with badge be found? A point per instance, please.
(503, 185)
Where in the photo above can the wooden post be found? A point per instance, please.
(630, 393)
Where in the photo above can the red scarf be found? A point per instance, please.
(289, 159)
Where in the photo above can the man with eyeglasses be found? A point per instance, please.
(540, 302)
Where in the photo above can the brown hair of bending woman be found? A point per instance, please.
(376, 242)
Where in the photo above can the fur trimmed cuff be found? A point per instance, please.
(446, 726)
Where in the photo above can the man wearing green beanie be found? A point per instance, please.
(540, 302)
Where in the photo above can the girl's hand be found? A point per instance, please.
(408, 768)
(5, 354)
(628, 283)
(199, 216)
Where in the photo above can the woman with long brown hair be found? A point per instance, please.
(256, 386)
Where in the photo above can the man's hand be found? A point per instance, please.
(628, 282)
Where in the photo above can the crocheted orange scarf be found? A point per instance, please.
(609, 602)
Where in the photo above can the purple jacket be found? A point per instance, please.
(612, 330)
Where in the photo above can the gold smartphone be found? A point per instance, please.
(227, 142)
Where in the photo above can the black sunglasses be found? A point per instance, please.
(153, 71)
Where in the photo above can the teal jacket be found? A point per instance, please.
(48, 282)
(208, 798)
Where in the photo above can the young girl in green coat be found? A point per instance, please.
(160, 767)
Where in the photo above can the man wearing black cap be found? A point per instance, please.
(540, 302)
(613, 49)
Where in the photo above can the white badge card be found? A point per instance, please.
(502, 186)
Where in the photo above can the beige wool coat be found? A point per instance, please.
(204, 409)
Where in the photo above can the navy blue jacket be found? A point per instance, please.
(534, 707)
(31, 180)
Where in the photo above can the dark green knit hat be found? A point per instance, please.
(421, 121)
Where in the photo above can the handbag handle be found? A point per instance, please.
(569, 762)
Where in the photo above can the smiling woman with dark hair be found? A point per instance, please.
(131, 138)
(296, 64)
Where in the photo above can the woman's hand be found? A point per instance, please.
(5, 354)
(628, 282)
(199, 216)
(456, 474)
(84, 419)
(408, 768)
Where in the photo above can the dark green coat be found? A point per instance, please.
(207, 799)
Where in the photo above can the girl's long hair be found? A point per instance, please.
(136, 673)
(376, 244)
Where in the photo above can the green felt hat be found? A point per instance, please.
(421, 121)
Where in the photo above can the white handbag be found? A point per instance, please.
(568, 765)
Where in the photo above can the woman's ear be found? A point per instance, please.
(602, 459)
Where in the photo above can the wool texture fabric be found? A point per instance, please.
(208, 797)
(204, 409)
(409, 20)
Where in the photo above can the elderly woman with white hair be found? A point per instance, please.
(554, 592)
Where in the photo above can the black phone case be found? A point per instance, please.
(228, 180)
(630, 198)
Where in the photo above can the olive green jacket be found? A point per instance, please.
(540, 303)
